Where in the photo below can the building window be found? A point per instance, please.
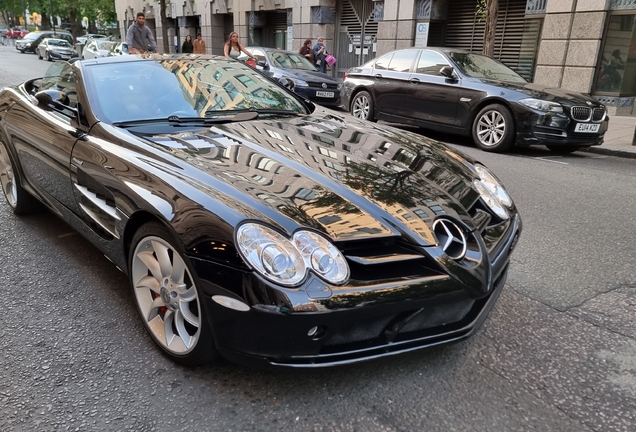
(616, 72)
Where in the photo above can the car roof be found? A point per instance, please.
(267, 49)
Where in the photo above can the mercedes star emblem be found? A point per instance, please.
(450, 238)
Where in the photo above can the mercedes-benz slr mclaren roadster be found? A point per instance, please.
(252, 224)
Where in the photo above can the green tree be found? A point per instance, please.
(13, 8)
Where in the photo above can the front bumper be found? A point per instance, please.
(58, 55)
(534, 128)
(330, 96)
(351, 323)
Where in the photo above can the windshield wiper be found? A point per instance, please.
(257, 111)
(174, 120)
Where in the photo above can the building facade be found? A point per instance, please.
(587, 46)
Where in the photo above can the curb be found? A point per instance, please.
(629, 154)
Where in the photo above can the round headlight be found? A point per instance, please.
(493, 185)
(491, 200)
(322, 257)
(271, 254)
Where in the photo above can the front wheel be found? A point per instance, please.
(565, 149)
(168, 298)
(20, 201)
(362, 106)
(39, 55)
(48, 56)
(494, 128)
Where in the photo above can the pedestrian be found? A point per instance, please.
(233, 47)
(139, 37)
(187, 46)
(320, 52)
(307, 51)
(198, 45)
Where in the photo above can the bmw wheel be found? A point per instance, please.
(362, 106)
(494, 129)
(20, 200)
(168, 298)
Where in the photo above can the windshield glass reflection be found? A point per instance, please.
(141, 90)
(479, 66)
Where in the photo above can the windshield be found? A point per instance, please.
(60, 43)
(30, 36)
(151, 89)
(286, 60)
(104, 44)
(479, 66)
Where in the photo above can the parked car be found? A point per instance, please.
(298, 74)
(55, 49)
(466, 93)
(119, 48)
(31, 41)
(84, 39)
(16, 32)
(252, 223)
(97, 48)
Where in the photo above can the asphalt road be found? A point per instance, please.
(558, 352)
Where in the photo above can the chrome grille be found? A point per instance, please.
(598, 114)
(330, 86)
(581, 113)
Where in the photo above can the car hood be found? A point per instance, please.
(305, 75)
(347, 178)
(562, 96)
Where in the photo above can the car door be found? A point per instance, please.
(44, 139)
(432, 97)
(42, 48)
(390, 78)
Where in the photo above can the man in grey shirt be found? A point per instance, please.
(139, 37)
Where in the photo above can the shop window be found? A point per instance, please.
(616, 72)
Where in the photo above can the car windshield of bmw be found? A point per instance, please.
(479, 66)
(172, 90)
(285, 60)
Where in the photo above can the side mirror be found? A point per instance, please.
(262, 63)
(447, 71)
(54, 100)
(287, 83)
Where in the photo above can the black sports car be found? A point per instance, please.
(251, 223)
(298, 74)
(465, 93)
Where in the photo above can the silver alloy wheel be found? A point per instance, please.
(7, 178)
(166, 295)
(491, 128)
(361, 107)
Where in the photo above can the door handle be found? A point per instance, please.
(377, 76)
(414, 80)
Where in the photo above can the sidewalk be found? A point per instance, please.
(618, 138)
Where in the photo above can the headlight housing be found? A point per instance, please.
(299, 82)
(542, 105)
(285, 261)
(492, 192)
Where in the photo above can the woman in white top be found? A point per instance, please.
(233, 48)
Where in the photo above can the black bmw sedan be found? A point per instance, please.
(251, 223)
(298, 74)
(465, 93)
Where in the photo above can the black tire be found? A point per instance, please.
(565, 149)
(20, 201)
(362, 106)
(494, 129)
(184, 307)
(39, 56)
(48, 57)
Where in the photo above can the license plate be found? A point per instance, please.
(324, 94)
(587, 127)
